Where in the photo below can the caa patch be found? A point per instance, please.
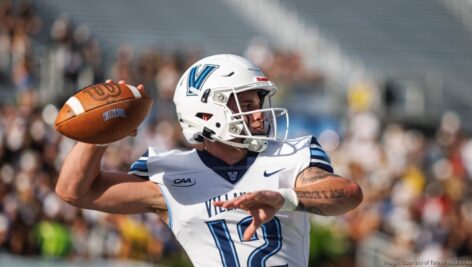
(196, 78)
(183, 182)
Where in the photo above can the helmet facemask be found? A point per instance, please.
(239, 120)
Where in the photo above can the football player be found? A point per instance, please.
(246, 197)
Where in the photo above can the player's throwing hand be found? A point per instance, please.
(262, 205)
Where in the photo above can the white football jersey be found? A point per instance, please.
(212, 236)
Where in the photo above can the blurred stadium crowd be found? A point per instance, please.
(417, 186)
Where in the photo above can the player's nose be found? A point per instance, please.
(257, 116)
(257, 119)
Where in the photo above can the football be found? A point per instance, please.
(103, 113)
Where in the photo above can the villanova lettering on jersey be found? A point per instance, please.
(318, 157)
(196, 78)
(213, 210)
(139, 167)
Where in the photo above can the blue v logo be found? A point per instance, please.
(197, 78)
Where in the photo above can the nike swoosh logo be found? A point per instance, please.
(267, 174)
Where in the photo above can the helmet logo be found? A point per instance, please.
(197, 78)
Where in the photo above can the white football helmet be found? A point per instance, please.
(201, 98)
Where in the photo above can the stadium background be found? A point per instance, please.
(384, 85)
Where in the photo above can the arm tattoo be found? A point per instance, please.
(318, 194)
(325, 200)
(314, 210)
(323, 194)
(313, 174)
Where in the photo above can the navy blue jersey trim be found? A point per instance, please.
(323, 166)
(323, 158)
(314, 141)
(139, 169)
(231, 173)
(319, 154)
(140, 165)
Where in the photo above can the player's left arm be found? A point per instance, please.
(324, 193)
(317, 191)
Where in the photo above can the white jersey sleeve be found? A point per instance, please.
(295, 155)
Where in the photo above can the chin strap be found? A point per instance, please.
(195, 137)
(255, 145)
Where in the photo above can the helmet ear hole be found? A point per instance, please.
(205, 96)
(204, 116)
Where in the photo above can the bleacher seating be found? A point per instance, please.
(156, 23)
(400, 39)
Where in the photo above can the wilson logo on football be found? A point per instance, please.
(99, 94)
(114, 113)
(183, 182)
